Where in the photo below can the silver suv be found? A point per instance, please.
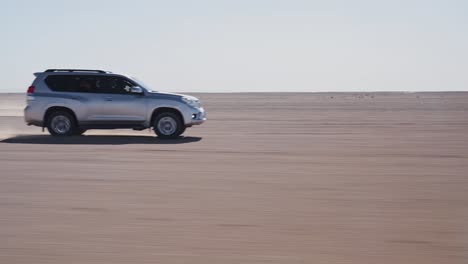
(70, 101)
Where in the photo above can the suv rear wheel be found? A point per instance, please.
(168, 125)
(61, 123)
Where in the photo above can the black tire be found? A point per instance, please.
(79, 131)
(183, 130)
(168, 125)
(61, 123)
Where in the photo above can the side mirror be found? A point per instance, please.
(136, 90)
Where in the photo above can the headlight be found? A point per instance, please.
(193, 102)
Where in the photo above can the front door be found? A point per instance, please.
(109, 100)
(118, 104)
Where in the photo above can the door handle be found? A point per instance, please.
(108, 98)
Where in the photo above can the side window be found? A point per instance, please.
(115, 85)
(85, 83)
(102, 84)
(89, 84)
(60, 83)
(72, 83)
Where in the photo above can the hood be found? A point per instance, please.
(170, 96)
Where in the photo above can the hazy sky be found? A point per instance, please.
(243, 45)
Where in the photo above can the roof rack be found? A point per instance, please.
(74, 70)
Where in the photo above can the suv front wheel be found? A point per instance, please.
(61, 123)
(168, 125)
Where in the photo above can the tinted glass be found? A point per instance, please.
(60, 83)
(114, 85)
(89, 84)
(72, 83)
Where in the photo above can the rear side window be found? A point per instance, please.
(59, 83)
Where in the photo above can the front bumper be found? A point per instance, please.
(197, 117)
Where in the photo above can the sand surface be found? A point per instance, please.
(270, 178)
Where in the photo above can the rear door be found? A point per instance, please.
(87, 86)
(77, 92)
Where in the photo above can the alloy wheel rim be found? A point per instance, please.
(167, 125)
(61, 124)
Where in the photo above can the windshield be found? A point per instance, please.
(143, 84)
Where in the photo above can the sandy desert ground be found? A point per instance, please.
(270, 178)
